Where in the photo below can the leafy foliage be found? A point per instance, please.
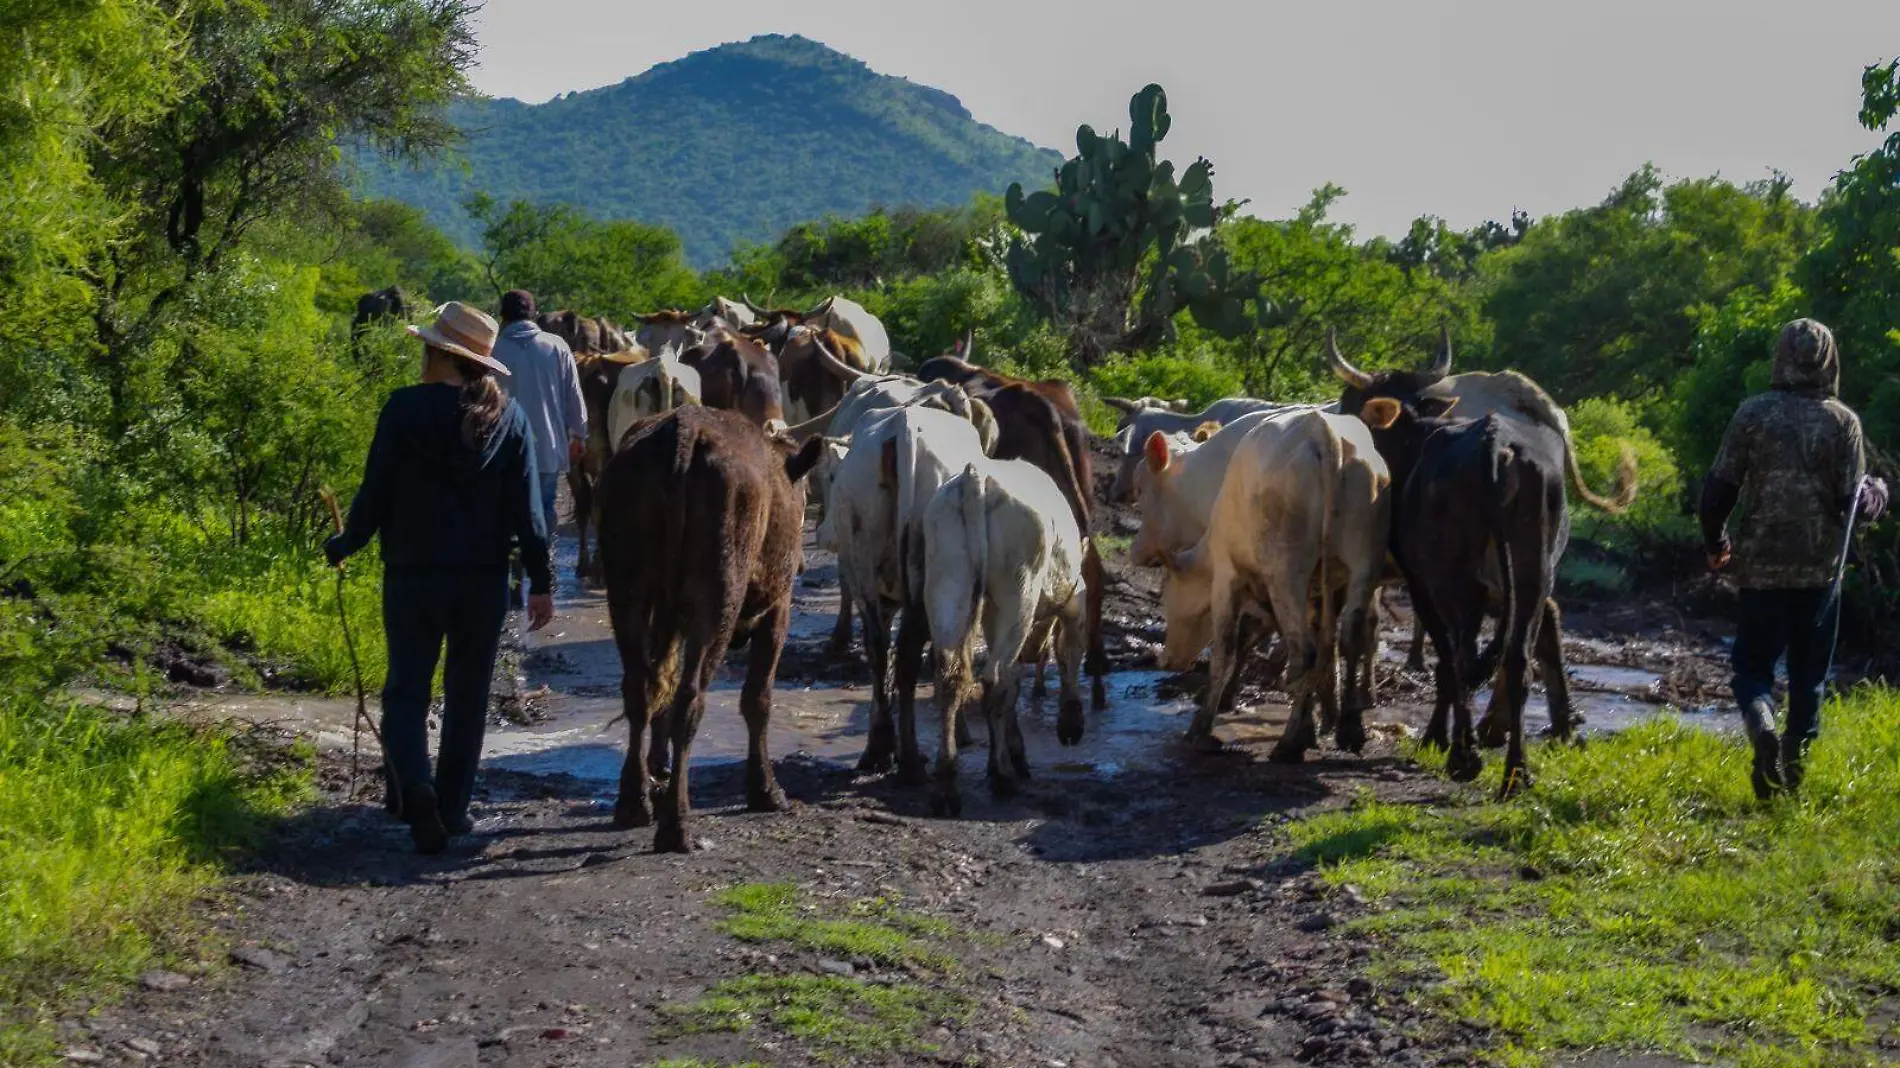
(567, 260)
(1120, 246)
(727, 147)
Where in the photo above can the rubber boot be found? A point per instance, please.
(425, 819)
(1758, 721)
(1793, 758)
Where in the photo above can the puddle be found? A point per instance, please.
(584, 737)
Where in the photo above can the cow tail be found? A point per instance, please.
(1332, 462)
(1500, 486)
(976, 530)
(1071, 487)
(906, 491)
(1621, 497)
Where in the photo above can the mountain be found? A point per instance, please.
(727, 146)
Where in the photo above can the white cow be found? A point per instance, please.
(658, 385)
(1304, 512)
(849, 318)
(896, 463)
(1001, 549)
(1139, 424)
(1175, 488)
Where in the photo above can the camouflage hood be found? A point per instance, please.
(1806, 361)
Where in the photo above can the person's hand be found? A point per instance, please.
(1720, 556)
(540, 610)
(1873, 498)
(333, 550)
(575, 450)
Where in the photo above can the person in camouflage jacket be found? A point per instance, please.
(1793, 460)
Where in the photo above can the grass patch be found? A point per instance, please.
(1639, 896)
(836, 1016)
(108, 830)
(876, 928)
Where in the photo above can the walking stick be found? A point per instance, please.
(356, 669)
(1840, 565)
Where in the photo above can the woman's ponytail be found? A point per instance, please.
(482, 403)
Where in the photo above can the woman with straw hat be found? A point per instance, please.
(450, 488)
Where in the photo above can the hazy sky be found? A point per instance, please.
(1463, 110)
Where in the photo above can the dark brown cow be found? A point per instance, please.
(584, 333)
(701, 525)
(815, 369)
(387, 303)
(598, 375)
(1032, 439)
(738, 373)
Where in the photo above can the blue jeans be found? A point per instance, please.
(424, 610)
(1801, 623)
(550, 488)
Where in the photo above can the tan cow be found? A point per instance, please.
(1296, 544)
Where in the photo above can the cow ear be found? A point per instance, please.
(800, 463)
(1156, 448)
(1435, 407)
(1380, 412)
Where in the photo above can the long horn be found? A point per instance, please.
(969, 346)
(1347, 373)
(832, 363)
(1442, 365)
(1120, 405)
(746, 298)
(817, 424)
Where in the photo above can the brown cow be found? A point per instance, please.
(701, 525)
(815, 368)
(740, 374)
(1026, 433)
(584, 333)
(598, 375)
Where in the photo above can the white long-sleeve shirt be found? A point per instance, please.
(542, 379)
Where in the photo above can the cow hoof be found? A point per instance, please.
(966, 737)
(772, 800)
(913, 771)
(1516, 780)
(1020, 762)
(1003, 788)
(1351, 736)
(1463, 765)
(628, 816)
(1069, 722)
(1288, 751)
(1434, 741)
(946, 803)
(877, 759)
(672, 839)
(1205, 743)
(837, 650)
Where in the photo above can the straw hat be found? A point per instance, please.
(465, 331)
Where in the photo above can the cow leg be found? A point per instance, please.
(1094, 578)
(634, 806)
(881, 748)
(1288, 596)
(762, 793)
(1415, 657)
(1463, 762)
(1002, 680)
(1224, 659)
(839, 644)
(1550, 657)
(954, 685)
(698, 661)
(582, 495)
(912, 630)
(1072, 645)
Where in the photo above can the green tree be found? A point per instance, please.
(1852, 275)
(619, 268)
(1606, 300)
(1120, 246)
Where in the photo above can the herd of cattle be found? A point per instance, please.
(958, 502)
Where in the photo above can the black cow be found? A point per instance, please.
(387, 303)
(1480, 526)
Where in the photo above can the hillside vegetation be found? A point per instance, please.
(727, 146)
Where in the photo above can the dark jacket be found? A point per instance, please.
(440, 504)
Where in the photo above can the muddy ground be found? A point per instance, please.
(1138, 904)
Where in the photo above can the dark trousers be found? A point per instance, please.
(425, 609)
(1801, 623)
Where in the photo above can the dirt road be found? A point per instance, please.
(1138, 904)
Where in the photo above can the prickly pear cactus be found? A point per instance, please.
(1120, 244)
